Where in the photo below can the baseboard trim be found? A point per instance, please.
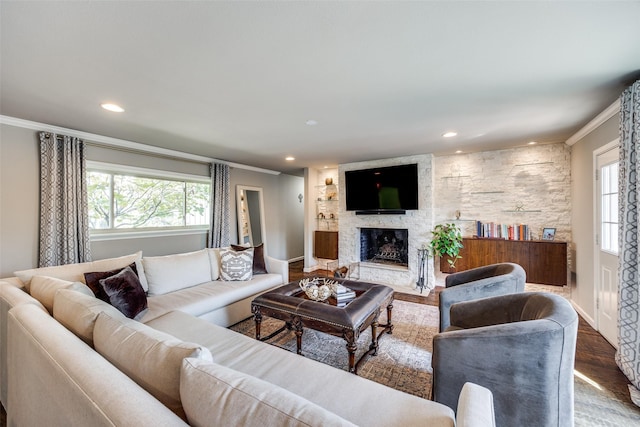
(590, 320)
(295, 259)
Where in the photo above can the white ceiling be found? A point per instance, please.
(238, 80)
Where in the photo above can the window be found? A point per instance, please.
(609, 204)
(135, 199)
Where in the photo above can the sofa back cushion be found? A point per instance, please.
(78, 312)
(214, 260)
(174, 272)
(212, 392)
(75, 272)
(44, 289)
(151, 358)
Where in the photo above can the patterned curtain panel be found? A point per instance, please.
(219, 232)
(64, 219)
(628, 355)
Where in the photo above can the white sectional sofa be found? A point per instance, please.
(68, 358)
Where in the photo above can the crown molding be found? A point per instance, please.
(609, 112)
(122, 143)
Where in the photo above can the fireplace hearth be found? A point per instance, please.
(385, 246)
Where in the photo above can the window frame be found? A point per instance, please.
(126, 233)
(606, 196)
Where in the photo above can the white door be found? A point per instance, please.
(607, 244)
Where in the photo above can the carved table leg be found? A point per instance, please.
(257, 316)
(389, 322)
(374, 338)
(297, 326)
(351, 348)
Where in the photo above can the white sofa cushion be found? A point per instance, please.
(212, 392)
(44, 289)
(78, 312)
(207, 297)
(214, 260)
(169, 273)
(150, 357)
(236, 266)
(75, 272)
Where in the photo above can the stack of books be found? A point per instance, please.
(503, 231)
(344, 295)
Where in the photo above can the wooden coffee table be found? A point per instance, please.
(290, 304)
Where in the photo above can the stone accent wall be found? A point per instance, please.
(418, 222)
(491, 185)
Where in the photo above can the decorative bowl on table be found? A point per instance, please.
(318, 288)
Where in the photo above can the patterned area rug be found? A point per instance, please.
(403, 361)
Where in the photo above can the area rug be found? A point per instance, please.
(403, 361)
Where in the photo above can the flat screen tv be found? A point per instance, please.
(384, 190)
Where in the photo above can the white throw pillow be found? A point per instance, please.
(78, 312)
(216, 394)
(75, 272)
(44, 289)
(151, 358)
(170, 273)
(236, 266)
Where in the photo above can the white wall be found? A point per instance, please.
(582, 217)
(488, 186)
(19, 206)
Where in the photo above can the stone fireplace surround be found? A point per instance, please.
(418, 224)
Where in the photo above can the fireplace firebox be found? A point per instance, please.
(385, 246)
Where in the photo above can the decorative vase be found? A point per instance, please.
(328, 181)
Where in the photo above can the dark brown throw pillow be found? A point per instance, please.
(93, 280)
(259, 266)
(125, 292)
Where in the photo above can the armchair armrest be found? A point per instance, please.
(475, 407)
(277, 266)
(519, 351)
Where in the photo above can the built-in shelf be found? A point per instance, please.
(456, 176)
(327, 200)
(533, 164)
(523, 210)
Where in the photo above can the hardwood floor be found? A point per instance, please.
(595, 357)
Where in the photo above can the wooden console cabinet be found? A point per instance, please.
(544, 261)
(326, 244)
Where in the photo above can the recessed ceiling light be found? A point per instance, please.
(112, 107)
(449, 134)
(311, 122)
(458, 151)
(533, 142)
(289, 158)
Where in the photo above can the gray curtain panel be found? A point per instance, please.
(64, 219)
(219, 231)
(628, 355)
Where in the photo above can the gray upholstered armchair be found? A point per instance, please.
(482, 282)
(521, 347)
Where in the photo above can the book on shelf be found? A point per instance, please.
(493, 230)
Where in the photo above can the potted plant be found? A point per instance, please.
(447, 242)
